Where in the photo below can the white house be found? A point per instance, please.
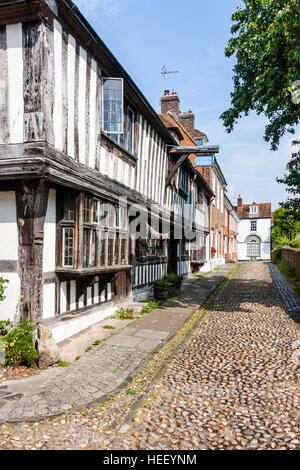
(254, 242)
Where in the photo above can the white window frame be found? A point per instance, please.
(252, 222)
(122, 111)
(253, 209)
(63, 247)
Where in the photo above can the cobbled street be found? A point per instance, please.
(233, 385)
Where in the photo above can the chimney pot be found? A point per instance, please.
(170, 103)
(174, 92)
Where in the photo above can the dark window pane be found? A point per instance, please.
(69, 209)
(102, 248)
(86, 247)
(86, 209)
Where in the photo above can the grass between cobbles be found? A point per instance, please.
(288, 271)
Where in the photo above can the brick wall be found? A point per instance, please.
(291, 256)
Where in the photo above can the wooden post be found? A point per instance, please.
(32, 201)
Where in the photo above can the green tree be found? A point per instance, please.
(292, 180)
(266, 43)
(286, 226)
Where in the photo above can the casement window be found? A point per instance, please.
(87, 209)
(127, 139)
(184, 248)
(69, 209)
(86, 247)
(110, 248)
(123, 251)
(214, 189)
(96, 211)
(68, 246)
(113, 105)
(102, 241)
(183, 181)
(253, 209)
(151, 247)
(253, 226)
(117, 249)
(101, 233)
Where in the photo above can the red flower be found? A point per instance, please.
(213, 250)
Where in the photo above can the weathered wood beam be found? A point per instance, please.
(31, 202)
(201, 149)
(175, 168)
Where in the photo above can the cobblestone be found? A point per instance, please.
(234, 385)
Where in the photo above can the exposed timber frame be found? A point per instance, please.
(31, 202)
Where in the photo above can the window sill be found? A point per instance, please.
(80, 272)
(118, 146)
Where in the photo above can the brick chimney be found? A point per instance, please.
(187, 120)
(240, 201)
(170, 103)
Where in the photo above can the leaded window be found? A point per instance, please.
(112, 89)
(68, 246)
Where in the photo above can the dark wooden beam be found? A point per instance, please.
(31, 202)
(175, 168)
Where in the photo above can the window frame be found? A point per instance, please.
(122, 110)
(64, 228)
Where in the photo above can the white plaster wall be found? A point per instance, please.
(264, 233)
(10, 305)
(9, 251)
(48, 300)
(8, 227)
(263, 229)
(50, 234)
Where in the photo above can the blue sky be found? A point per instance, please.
(190, 36)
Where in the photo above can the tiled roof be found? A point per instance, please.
(264, 211)
(197, 133)
(171, 125)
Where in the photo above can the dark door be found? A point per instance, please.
(172, 256)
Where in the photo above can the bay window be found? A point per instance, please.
(92, 233)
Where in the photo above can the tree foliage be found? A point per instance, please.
(266, 43)
(286, 225)
(292, 181)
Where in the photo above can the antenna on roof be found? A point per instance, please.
(163, 74)
(164, 71)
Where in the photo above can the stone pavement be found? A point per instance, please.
(109, 366)
(235, 384)
(291, 302)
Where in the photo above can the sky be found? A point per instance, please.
(190, 37)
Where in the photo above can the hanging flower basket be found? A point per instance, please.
(213, 250)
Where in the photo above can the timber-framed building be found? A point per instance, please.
(77, 135)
